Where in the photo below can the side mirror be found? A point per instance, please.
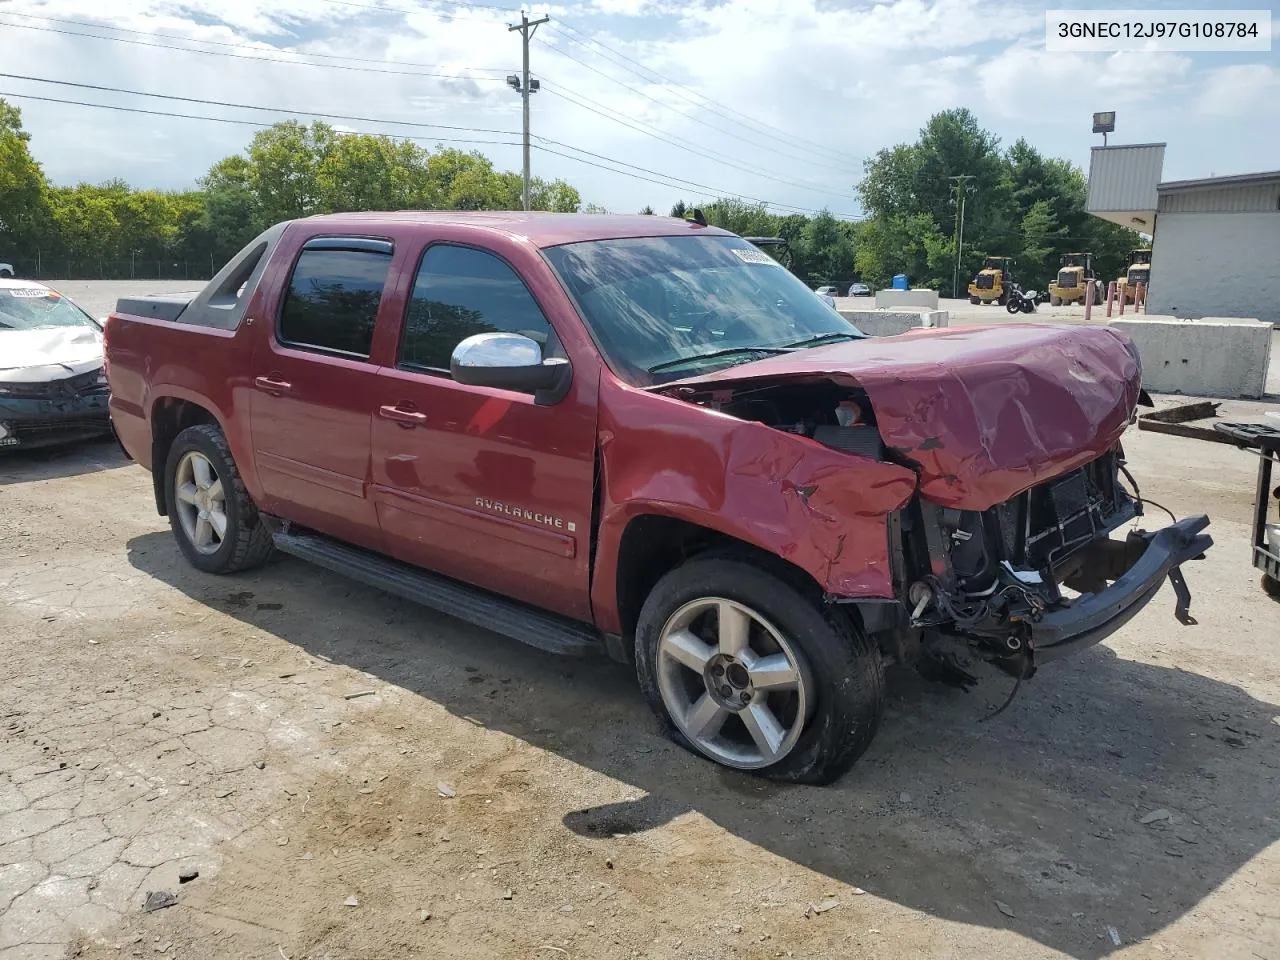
(510, 361)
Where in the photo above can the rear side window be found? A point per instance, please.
(460, 291)
(333, 295)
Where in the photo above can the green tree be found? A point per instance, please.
(1042, 239)
(25, 215)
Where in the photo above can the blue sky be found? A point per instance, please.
(777, 100)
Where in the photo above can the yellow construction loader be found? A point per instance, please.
(1139, 272)
(993, 282)
(1075, 274)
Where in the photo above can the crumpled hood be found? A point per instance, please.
(32, 356)
(983, 412)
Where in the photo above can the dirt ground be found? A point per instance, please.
(356, 777)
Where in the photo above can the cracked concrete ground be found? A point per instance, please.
(285, 733)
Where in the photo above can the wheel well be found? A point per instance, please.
(169, 417)
(652, 546)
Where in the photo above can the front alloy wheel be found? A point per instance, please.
(732, 684)
(742, 662)
(201, 502)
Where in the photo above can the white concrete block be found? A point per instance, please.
(890, 323)
(919, 297)
(1212, 357)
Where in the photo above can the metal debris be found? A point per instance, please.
(187, 875)
(445, 790)
(351, 901)
(1005, 908)
(359, 693)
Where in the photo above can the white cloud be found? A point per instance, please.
(843, 81)
(1246, 89)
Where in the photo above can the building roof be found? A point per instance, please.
(1239, 180)
(542, 229)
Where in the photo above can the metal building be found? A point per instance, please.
(1215, 242)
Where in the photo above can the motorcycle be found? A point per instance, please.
(1021, 301)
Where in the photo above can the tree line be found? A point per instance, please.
(1017, 203)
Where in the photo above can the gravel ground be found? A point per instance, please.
(291, 735)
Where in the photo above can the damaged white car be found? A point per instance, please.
(52, 384)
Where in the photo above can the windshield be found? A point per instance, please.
(38, 308)
(663, 308)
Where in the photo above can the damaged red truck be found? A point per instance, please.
(643, 436)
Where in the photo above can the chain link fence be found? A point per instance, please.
(94, 268)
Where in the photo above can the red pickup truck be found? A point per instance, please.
(643, 436)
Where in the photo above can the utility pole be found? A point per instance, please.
(524, 86)
(962, 188)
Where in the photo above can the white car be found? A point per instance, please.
(6, 271)
(52, 384)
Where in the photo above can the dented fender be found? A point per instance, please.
(821, 509)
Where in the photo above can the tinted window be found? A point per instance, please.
(333, 300)
(460, 292)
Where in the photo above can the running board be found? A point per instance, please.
(537, 628)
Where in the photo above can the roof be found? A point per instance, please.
(542, 229)
(1241, 179)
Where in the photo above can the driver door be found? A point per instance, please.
(478, 483)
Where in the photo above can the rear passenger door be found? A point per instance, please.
(478, 483)
(315, 389)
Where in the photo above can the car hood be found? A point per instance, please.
(981, 413)
(32, 356)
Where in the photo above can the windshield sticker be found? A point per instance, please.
(755, 256)
(32, 293)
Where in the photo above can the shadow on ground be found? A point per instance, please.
(63, 460)
(1039, 808)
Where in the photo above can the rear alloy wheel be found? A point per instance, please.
(201, 502)
(212, 515)
(748, 670)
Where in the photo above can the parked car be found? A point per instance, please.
(643, 436)
(52, 384)
(859, 290)
(827, 291)
(6, 271)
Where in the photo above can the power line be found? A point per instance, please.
(639, 126)
(649, 130)
(657, 178)
(246, 123)
(698, 99)
(221, 43)
(690, 116)
(241, 56)
(764, 203)
(249, 106)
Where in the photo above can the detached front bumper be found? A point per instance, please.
(27, 423)
(1095, 616)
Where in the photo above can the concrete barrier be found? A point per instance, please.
(889, 298)
(1211, 357)
(889, 323)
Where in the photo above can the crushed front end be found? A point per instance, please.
(1037, 576)
(38, 412)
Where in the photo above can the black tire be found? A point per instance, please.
(1271, 586)
(1012, 306)
(846, 670)
(974, 301)
(247, 542)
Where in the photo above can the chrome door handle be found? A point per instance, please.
(272, 386)
(398, 414)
